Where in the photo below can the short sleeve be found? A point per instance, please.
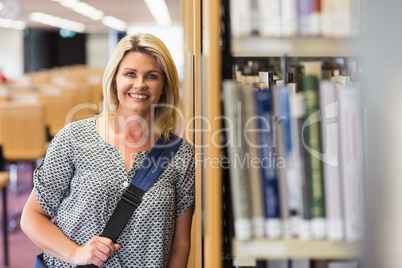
(52, 177)
(185, 187)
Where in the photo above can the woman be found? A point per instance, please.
(91, 162)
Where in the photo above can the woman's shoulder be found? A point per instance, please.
(80, 127)
(187, 145)
(186, 149)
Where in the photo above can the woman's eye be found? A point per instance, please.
(152, 76)
(130, 74)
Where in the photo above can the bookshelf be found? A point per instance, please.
(295, 248)
(191, 11)
(295, 47)
(253, 46)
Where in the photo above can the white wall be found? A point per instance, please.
(11, 53)
(383, 97)
(97, 50)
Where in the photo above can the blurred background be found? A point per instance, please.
(52, 56)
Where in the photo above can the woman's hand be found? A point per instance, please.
(96, 251)
(37, 226)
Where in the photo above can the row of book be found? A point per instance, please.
(290, 18)
(295, 154)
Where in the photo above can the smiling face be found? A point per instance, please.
(139, 83)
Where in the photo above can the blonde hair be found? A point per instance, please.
(166, 117)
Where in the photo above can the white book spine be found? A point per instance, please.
(241, 18)
(351, 148)
(239, 183)
(330, 141)
(289, 18)
(269, 14)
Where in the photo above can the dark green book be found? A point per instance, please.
(313, 150)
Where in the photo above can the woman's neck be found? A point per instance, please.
(135, 130)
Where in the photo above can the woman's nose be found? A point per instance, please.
(140, 83)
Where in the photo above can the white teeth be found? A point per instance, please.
(139, 96)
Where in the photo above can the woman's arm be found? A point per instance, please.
(37, 226)
(181, 240)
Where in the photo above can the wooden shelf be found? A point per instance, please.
(295, 47)
(295, 248)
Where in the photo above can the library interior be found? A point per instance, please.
(287, 105)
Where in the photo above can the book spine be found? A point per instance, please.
(297, 115)
(269, 17)
(326, 18)
(239, 183)
(292, 183)
(268, 173)
(312, 131)
(241, 18)
(337, 18)
(304, 10)
(333, 187)
(315, 18)
(289, 18)
(253, 166)
(280, 149)
(351, 144)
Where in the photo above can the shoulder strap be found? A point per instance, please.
(148, 173)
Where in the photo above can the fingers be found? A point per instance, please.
(96, 251)
(107, 246)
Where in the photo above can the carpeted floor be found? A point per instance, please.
(22, 251)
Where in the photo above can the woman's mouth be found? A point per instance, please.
(138, 96)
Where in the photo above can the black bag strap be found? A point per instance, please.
(149, 171)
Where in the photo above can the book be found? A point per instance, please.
(312, 68)
(269, 179)
(269, 14)
(300, 263)
(289, 18)
(279, 141)
(241, 18)
(236, 148)
(292, 181)
(312, 142)
(315, 18)
(342, 81)
(252, 159)
(336, 18)
(304, 10)
(351, 151)
(343, 264)
(266, 78)
(297, 118)
(331, 167)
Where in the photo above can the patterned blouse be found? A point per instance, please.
(80, 182)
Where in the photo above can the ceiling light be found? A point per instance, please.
(82, 8)
(114, 23)
(56, 21)
(159, 11)
(13, 24)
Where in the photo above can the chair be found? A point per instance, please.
(22, 131)
(57, 105)
(22, 134)
(22, 138)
